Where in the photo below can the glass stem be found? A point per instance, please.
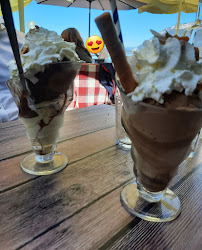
(44, 154)
(149, 196)
(143, 192)
(45, 158)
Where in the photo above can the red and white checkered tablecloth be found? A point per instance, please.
(87, 89)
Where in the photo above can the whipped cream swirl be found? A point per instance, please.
(44, 47)
(160, 69)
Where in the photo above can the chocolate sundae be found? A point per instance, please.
(50, 65)
(168, 76)
(162, 102)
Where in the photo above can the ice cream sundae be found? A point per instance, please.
(167, 73)
(50, 65)
(162, 113)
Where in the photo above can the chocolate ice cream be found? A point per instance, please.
(164, 113)
(161, 137)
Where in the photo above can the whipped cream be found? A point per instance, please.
(44, 47)
(160, 69)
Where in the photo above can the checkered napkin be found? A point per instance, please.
(87, 89)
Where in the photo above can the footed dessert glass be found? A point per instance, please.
(41, 109)
(161, 140)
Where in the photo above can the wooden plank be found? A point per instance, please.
(30, 209)
(49, 202)
(183, 233)
(89, 229)
(75, 149)
(10, 124)
(13, 139)
(106, 224)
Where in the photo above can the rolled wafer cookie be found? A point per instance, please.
(116, 51)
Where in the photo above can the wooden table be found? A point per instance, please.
(79, 207)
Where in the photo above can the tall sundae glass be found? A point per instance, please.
(41, 104)
(50, 66)
(161, 140)
(160, 87)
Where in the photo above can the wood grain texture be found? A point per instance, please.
(106, 224)
(13, 139)
(184, 233)
(91, 228)
(76, 149)
(34, 207)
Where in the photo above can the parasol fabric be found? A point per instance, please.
(168, 6)
(15, 6)
(19, 5)
(94, 4)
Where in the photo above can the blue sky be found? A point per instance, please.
(135, 27)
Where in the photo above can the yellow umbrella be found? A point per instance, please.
(168, 6)
(19, 5)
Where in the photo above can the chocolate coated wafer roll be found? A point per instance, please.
(116, 51)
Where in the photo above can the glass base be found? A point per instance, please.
(124, 143)
(31, 166)
(166, 209)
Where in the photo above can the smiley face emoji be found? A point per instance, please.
(94, 44)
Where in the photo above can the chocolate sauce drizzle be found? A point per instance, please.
(51, 89)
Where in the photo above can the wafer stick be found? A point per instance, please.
(116, 51)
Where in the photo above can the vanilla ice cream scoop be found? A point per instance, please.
(160, 68)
